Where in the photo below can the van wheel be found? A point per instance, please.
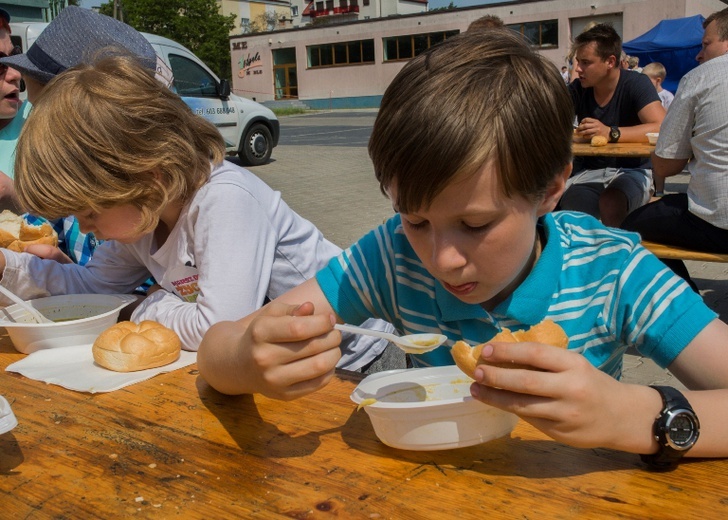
(255, 146)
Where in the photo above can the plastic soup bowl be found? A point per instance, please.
(78, 319)
(429, 409)
(652, 137)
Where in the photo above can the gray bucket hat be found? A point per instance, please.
(75, 36)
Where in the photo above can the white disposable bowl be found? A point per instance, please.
(88, 314)
(652, 137)
(429, 409)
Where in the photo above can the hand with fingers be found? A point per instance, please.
(564, 396)
(48, 252)
(282, 351)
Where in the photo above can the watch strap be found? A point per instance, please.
(614, 134)
(666, 457)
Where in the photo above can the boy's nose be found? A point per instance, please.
(446, 256)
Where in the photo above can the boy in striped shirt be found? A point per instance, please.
(473, 146)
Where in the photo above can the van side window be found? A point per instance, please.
(190, 79)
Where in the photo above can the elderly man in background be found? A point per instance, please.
(694, 134)
(12, 114)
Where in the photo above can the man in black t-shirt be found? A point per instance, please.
(620, 105)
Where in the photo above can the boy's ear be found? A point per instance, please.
(555, 191)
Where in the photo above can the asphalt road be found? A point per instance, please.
(322, 168)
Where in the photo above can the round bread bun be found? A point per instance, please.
(599, 140)
(16, 233)
(546, 332)
(127, 347)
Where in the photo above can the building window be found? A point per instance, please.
(294, 10)
(245, 25)
(340, 54)
(409, 46)
(543, 34)
(366, 2)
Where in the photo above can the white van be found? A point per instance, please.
(250, 130)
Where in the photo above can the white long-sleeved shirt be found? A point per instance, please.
(235, 243)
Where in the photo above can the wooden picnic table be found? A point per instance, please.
(173, 447)
(612, 150)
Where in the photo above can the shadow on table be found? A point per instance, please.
(11, 456)
(507, 456)
(240, 416)
(511, 455)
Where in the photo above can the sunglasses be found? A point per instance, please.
(16, 50)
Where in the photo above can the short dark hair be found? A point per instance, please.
(721, 23)
(608, 41)
(477, 97)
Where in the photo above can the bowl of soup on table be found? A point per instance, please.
(76, 319)
(429, 409)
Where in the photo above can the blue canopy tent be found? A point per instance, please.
(674, 43)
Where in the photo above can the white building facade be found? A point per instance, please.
(349, 65)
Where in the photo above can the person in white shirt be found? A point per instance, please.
(693, 134)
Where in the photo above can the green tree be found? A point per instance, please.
(196, 24)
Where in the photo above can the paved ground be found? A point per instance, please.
(322, 169)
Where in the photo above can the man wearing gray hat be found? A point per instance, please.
(75, 36)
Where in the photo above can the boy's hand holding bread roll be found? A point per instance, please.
(546, 332)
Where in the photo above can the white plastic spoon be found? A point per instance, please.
(411, 344)
(34, 313)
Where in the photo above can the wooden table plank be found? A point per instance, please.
(173, 447)
(612, 150)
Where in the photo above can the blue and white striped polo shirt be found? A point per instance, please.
(598, 283)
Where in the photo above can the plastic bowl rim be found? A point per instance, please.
(124, 300)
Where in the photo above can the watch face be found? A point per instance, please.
(682, 430)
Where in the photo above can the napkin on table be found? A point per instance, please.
(74, 368)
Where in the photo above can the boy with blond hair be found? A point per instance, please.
(657, 74)
(135, 166)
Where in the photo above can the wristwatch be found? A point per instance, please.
(614, 134)
(676, 430)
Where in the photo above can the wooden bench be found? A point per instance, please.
(678, 253)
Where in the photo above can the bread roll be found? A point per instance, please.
(16, 233)
(127, 347)
(599, 140)
(546, 332)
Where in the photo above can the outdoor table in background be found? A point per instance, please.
(172, 446)
(613, 150)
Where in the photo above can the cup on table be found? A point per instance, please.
(652, 137)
